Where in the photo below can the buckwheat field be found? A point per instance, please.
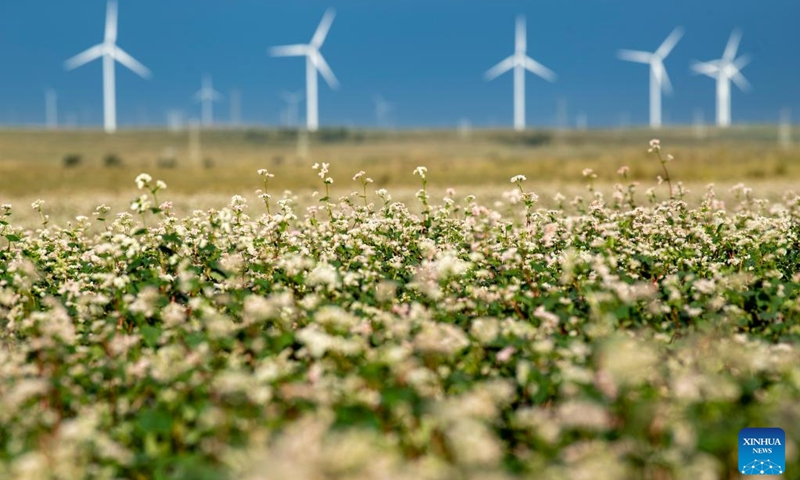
(605, 335)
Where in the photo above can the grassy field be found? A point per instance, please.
(31, 162)
(444, 339)
(556, 326)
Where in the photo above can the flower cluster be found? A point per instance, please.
(621, 341)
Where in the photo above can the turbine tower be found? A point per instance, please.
(520, 62)
(110, 53)
(659, 80)
(382, 110)
(724, 70)
(315, 62)
(207, 96)
(292, 100)
(236, 108)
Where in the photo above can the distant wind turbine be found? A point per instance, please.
(315, 62)
(659, 80)
(207, 96)
(110, 53)
(382, 110)
(236, 108)
(292, 100)
(174, 120)
(724, 70)
(520, 62)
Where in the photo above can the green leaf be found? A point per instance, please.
(12, 238)
(171, 238)
(151, 335)
(155, 420)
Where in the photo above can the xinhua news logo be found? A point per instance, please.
(762, 451)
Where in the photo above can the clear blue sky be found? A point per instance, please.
(425, 56)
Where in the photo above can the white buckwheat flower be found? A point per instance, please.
(143, 180)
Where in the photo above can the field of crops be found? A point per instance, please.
(625, 335)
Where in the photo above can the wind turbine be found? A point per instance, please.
(207, 96)
(724, 70)
(315, 62)
(110, 53)
(174, 120)
(520, 62)
(382, 110)
(236, 108)
(292, 100)
(659, 80)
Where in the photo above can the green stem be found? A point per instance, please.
(666, 174)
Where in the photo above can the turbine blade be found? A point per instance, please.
(540, 69)
(669, 43)
(322, 29)
(325, 70)
(111, 22)
(741, 82)
(382, 104)
(634, 56)
(122, 57)
(500, 68)
(207, 85)
(732, 46)
(85, 56)
(706, 68)
(521, 42)
(289, 51)
(742, 62)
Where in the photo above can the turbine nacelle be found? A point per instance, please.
(207, 92)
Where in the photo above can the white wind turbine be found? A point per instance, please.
(110, 53)
(314, 63)
(236, 107)
(659, 80)
(520, 62)
(724, 70)
(207, 96)
(382, 111)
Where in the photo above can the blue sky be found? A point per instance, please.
(425, 56)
